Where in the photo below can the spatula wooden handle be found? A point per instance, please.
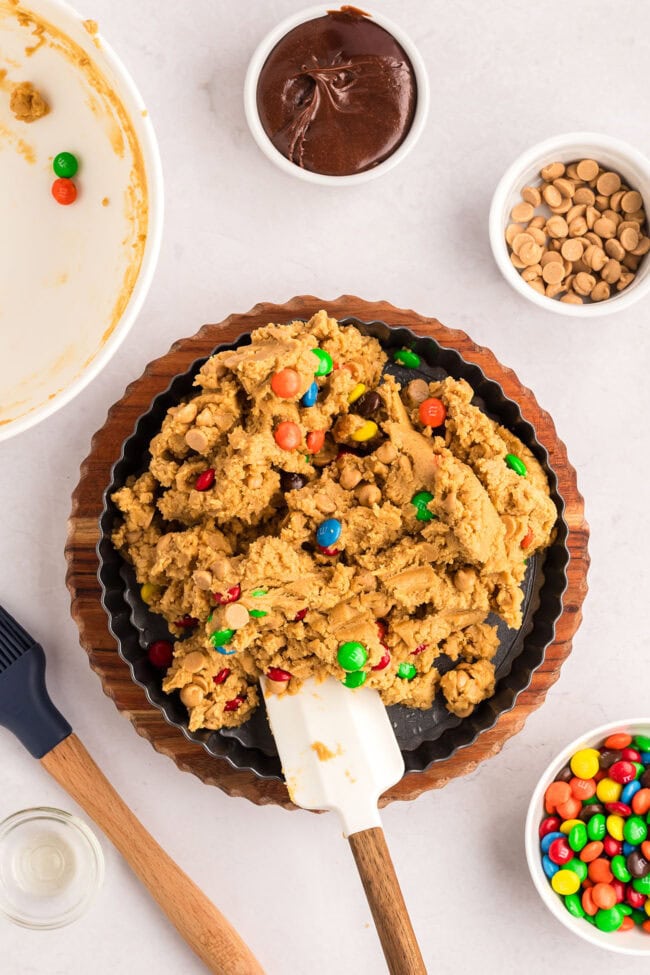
(204, 928)
(386, 902)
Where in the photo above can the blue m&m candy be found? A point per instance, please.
(328, 532)
(310, 397)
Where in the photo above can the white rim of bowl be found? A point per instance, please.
(156, 207)
(258, 61)
(511, 178)
(531, 836)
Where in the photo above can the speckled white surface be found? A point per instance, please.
(503, 76)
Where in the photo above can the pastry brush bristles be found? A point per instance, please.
(14, 640)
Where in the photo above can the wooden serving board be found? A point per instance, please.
(84, 532)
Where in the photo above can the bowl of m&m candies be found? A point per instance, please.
(588, 837)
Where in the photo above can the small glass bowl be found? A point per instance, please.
(51, 867)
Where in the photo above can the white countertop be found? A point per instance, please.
(238, 231)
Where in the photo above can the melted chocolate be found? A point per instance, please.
(337, 94)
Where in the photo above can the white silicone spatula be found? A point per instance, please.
(339, 752)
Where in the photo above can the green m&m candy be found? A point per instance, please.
(516, 464)
(577, 867)
(407, 671)
(642, 885)
(420, 501)
(609, 919)
(354, 679)
(221, 637)
(597, 827)
(352, 656)
(642, 742)
(573, 905)
(65, 165)
(618, 866)
(578, 837)
(635, 830)
(407, 358)
(325, 364)
(257, 613)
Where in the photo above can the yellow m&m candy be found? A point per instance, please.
(565, 882)
(585, 763)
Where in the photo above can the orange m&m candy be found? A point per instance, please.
(287, 435)
(285, 383)
(432, 412)
(64, 191)
(315, 441)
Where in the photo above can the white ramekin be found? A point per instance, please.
(257, 129)
(633, 166)
(632, 942)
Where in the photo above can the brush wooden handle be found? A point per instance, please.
(386, 902)
(199, 922)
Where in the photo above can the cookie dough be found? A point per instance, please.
(235, 568)
(27, 103)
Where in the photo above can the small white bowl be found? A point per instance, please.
(633, 166)
(257, 129)
(632, 942)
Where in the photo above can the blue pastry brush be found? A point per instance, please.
(27, 711)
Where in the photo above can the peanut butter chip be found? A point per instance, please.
(530, 273)
(631, 201)
(584, 283)
(552, 196)
(605, 228)
(202, 579)
(608, 183)
(368, 495)
(571, 250)
(615, 249)
(600, 291)
(538, 286)
(553, 272)
(324, 503)
(522, 212)
(587, 169)
(530, 194)
(611, 271)
(349, 478)
(530, 253)
(520, 240)
(511, 232)
(197, 440)
(235, 616)
(193, 661)
(571, 299)
(557, 227)
(565, 186)
(578, 227)
(549, 257)
(642, 247)
(584, 195)
(418, 390)
(191, 695)
(629, 238)
(552, 171)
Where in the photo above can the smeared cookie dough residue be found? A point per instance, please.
(24, 148)
(27, 103)
(93, 29)
(324, 753)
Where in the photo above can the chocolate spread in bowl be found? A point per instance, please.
(337, 94)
